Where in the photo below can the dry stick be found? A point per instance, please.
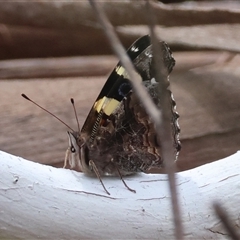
(135, 78)
(164, 129)
(222, 214)
(143, 95)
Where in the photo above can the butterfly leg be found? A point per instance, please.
(94, 168)
(66, 157)
(120, 175)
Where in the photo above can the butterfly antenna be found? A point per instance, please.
(30, 100)
(75, 112)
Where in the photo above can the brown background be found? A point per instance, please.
(205, 83)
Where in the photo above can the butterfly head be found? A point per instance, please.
(76, 154)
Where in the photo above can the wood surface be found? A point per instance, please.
(31, 29)
(207, 96)
(208, 102)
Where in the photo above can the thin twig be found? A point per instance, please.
(149, 106)
(164, 130)
(227, 223)
(126, 62)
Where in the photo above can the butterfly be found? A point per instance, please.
(118, 136)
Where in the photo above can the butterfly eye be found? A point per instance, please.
(73, 150)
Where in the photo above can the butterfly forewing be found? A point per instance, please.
(118, 85)
(112, 94)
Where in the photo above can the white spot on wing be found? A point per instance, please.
(153, 81)
(134, 49)
(148, 53)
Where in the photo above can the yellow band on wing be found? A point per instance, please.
(108, 105)
(121, 71)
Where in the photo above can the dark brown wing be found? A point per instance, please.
(118, 128)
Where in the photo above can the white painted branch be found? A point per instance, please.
(38, 201)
